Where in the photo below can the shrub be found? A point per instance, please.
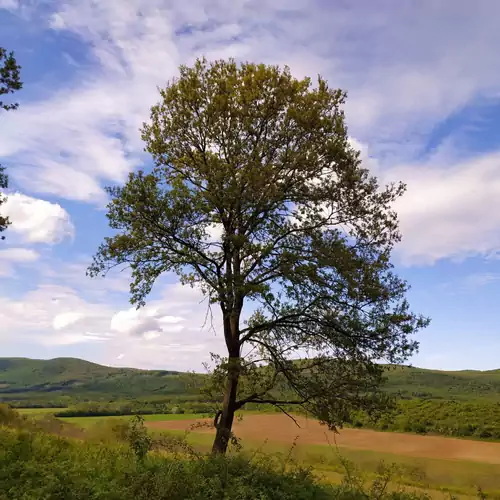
(9, 416)
(35, 465)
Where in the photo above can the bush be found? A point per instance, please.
(35, 465)
(125, 462)
(10, 417)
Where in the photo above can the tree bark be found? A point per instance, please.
(231, 310)
(225, 421)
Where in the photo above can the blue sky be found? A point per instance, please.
(423, 80)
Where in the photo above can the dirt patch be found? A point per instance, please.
(281, 429)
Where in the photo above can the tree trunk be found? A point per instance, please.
(225, 422)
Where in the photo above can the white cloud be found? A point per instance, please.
(12, 256)
(147, 322)
(9, 4)
(450, 210)
(66, 339)
(48, 315)
(215, 232)
(74, 274)
(18, 254)
(477, 280)
(37, 221)
(172, 332)
(65, 319)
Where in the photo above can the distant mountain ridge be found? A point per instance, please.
(25, 378)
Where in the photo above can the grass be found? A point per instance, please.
(435, 474)
(157, 417)
(38, 411)
(88, 421)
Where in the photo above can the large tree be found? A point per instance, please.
(301, 272)
(10, 82)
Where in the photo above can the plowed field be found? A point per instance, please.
(281, 429)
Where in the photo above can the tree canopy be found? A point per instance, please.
(301, 270)
(10, 81)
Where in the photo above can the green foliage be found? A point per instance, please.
(35, 465)
(9, 82)
(139, 440)
(480, 419)
(307, 235)
(355, 484)
(474, 411)
(10, 417)
(10, 78)
(119, 440)
(64, 381)
(96, 409)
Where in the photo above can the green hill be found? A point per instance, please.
(34, 379)
(435, 384)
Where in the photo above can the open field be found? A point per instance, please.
(438, 465)
(38, 411)
(281, 429)
(88, 421)
(433, 463)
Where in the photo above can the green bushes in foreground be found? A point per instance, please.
(36, 465)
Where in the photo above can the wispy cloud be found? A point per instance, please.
(451, 208)
(13, 256)
(481, 279)
(9, 4)
(400, 82)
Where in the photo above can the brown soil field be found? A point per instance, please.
(281, 429)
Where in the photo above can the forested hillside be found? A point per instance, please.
(436, 384)
(32, 379)
(51, 380)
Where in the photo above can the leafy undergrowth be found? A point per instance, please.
(36, 464)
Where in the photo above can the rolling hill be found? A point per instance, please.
(468, 385)
(43, 380)
(35, 379)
